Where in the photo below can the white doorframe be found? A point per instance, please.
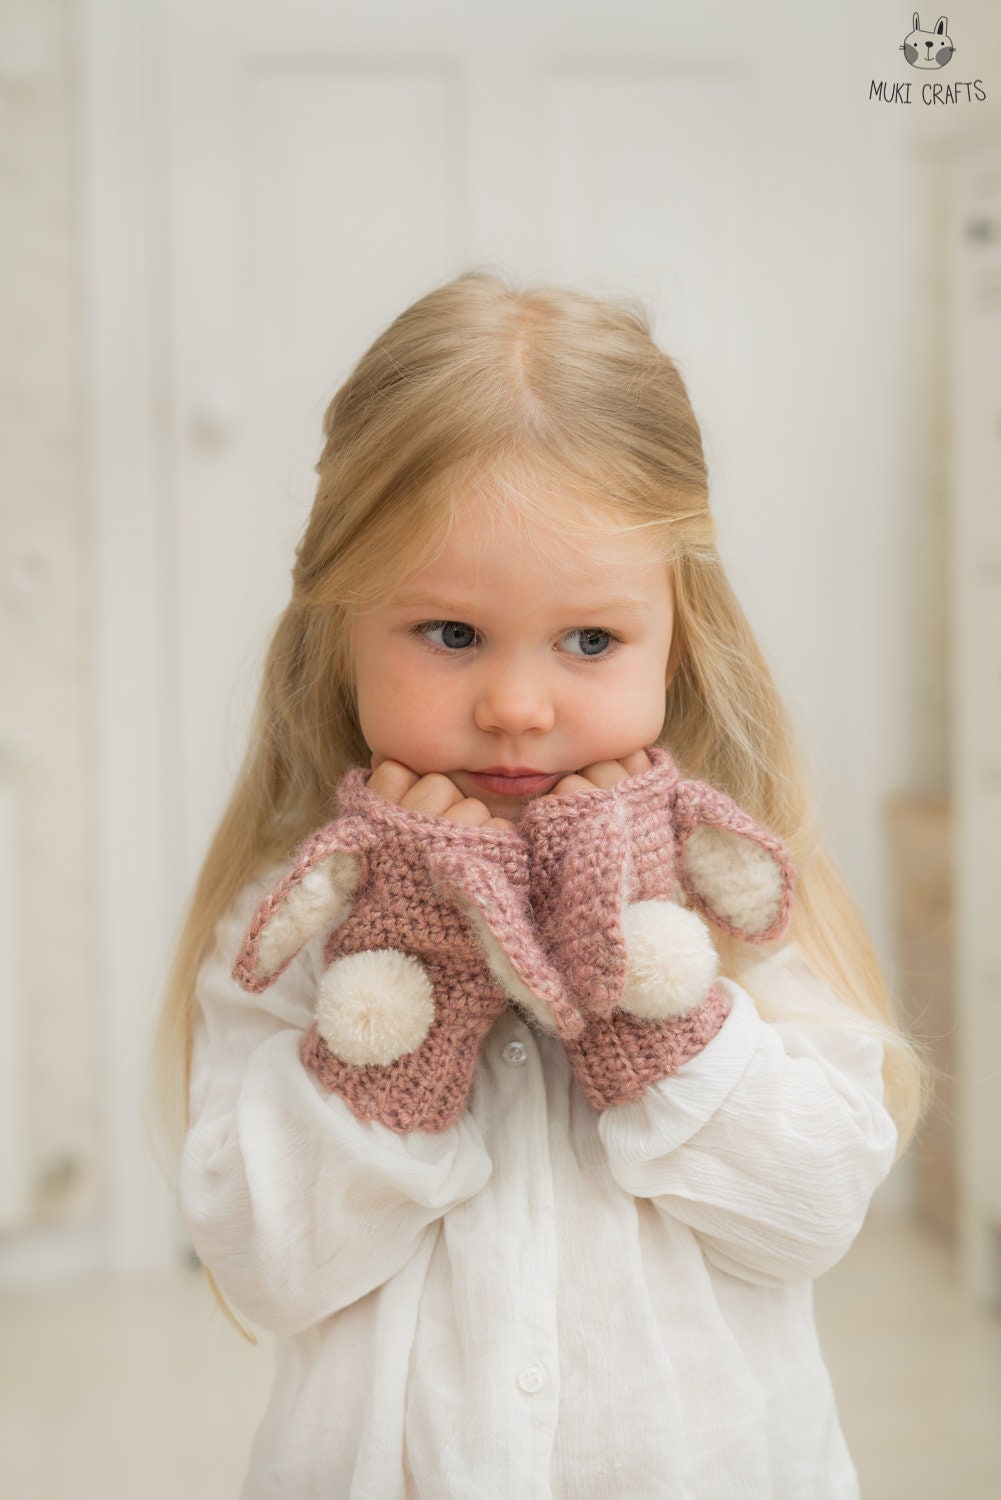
(134, 806)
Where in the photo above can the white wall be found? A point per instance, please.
(48, 614)
(46, 647)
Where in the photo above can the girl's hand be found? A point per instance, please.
(433, 793)
(603, 773)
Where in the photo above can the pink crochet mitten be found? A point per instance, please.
(429, 937)
(608, 867)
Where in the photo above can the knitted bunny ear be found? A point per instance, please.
(314, 896)
(733, 869)
(505, 934)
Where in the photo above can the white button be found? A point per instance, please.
(532, 1378)
(515, 1055)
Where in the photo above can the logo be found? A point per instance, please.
(929, 51)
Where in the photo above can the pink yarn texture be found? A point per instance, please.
(591, 853)
(419, 876)
(532, 915)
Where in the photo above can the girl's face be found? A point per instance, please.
(514, 653)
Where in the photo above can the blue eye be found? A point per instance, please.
(455, 634)
(592, 642)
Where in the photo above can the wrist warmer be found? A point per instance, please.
(428, 939)
(609, 869)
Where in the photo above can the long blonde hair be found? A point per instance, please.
(549, 391)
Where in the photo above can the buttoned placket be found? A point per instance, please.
(523, 1183)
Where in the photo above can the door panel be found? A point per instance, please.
(330, 163)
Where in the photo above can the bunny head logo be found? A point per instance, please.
(928, 49)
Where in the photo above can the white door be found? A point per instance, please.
(331, 162)
(975, 491)
(271, 183)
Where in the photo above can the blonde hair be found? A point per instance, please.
(544, 392)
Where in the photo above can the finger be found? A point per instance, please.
(392, 779)
(433, 793)
(573, 783)
(604, 773)
(470, 812)
(637, 762)
(500, 823)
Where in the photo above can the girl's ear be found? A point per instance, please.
(315, 895)
(733, 869)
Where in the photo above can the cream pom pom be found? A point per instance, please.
(670, 960)
(374, 1006)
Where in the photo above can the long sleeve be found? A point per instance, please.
(770, 1143)
(487, 1310)
(298, 1207)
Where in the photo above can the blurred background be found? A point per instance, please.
(207, 212)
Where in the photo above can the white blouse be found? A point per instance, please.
(542, 1302)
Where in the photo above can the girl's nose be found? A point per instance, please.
(514, 703)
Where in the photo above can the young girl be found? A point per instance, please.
(530, 1055)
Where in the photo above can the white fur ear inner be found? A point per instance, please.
(670, 960)
(319, 902)
(739, 881)
(503, 970)
(375, 1006)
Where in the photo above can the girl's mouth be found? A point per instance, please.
(515, 786)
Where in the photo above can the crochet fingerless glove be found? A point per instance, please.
(429, 938)
(608, 867)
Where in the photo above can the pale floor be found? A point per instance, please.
(144, 1392)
